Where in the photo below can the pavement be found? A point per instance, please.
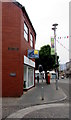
(36, 98)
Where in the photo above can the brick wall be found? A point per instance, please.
(14, 47)
(0, 49)
(24, 44)
(11, 59)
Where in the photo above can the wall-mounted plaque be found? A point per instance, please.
(12, 74)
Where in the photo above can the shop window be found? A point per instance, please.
(26, 32)
(30, 76)
(25, 76)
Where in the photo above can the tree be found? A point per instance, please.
(46, 59)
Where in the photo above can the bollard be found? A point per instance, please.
(56, 84)
(56, 81)
(42, 93)
(42, 90)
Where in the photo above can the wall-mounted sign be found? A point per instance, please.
(29, 62)
(33, 53)
(13, 48)
(12, 74)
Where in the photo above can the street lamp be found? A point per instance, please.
(55, 52)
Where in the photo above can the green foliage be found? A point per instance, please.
(45, 58)
(45, 51)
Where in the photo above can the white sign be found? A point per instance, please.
(29, 62)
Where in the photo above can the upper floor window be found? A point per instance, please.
(26, 32)
(31, 40)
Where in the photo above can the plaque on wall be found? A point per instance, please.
(12, 74)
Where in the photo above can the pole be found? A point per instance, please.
(42, 88)
(56, 58)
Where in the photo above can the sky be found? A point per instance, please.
(43, 14)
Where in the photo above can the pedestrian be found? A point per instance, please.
(38, 79)
(47, 77)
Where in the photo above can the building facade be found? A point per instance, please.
(18, 35)
(68, 69)
(0, 49)
(70, 31)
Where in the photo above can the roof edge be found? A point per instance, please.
(24, 10)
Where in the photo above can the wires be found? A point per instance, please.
(65, 37)
(62, 45)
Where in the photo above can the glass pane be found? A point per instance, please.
(30, 76)
(31, 40)
(26, 28)
(25, 36)
(31, 37)
(31, 43)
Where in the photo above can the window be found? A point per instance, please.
(26, 32)
(31, 40)
(30, 76)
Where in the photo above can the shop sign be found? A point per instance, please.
(33, 53)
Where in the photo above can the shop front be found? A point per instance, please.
(29, 66)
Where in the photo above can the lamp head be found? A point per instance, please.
(55, 25)
(54, 28)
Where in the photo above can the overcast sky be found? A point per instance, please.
(44, 13)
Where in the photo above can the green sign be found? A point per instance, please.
(52, 51)
(52, 46)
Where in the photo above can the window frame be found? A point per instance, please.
(31, 40)
(26, 32)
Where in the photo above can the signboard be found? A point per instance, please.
(33, 53)
(52, 46)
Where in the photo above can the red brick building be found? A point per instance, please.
(0, 49)
(18, 35)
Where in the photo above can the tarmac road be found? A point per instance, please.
(56, 110)
(52, 110)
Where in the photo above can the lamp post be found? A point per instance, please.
(42, 90)
(55, 53)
